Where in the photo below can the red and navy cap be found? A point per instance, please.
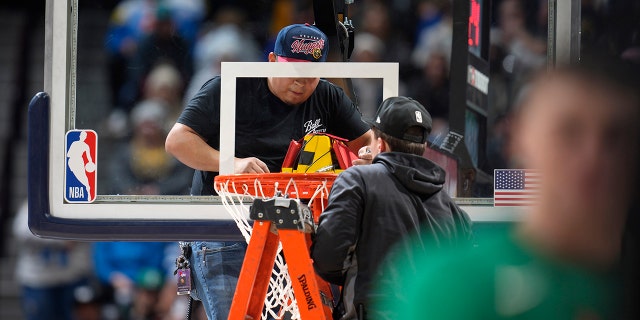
(301, 42)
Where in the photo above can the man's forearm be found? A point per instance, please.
(364, 140)
(192, 150)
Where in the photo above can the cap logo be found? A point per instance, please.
(308, 45)
(419, 116)
(378, 120)
(317, 53)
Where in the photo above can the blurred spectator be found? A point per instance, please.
(228, 31)
(577, 127)
(376, 20)
(141, 165)
(49, 272)
(133, 20)
(283, 13)
(525, 50)
(134, 273)
(163, 45)
(130, 21)
(435, 31)
(517, 49)
(187, 16)
(368, 48)
(165, 86)
(431, 87)
(223, 44)
(227, 41)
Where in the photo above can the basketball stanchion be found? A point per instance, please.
(284, 208)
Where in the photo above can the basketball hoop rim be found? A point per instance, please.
(305, 184)
(278, 176)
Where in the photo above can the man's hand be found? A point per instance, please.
(250, 165)
(365, 156)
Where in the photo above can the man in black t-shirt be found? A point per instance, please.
(265, 125)
(269, 114)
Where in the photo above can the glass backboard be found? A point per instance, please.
(57, 118)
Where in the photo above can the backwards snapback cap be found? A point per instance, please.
(301, 42)
(397, 114)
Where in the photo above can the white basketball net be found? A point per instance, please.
(236, 199)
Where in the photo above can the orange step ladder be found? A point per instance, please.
(289, 222)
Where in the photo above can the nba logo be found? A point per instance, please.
(81, 163)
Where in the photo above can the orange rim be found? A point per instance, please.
(299, 185)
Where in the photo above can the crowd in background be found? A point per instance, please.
(164, 51)
(95, 281)
(161, 52)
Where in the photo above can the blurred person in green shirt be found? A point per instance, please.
(578, 126)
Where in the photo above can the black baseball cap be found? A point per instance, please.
(301, 42)
(397, 114)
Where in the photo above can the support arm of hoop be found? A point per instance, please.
(284, 213)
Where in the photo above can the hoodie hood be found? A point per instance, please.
(416, 173)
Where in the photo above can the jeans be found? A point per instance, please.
(215, 268)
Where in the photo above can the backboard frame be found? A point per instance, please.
(113, 217)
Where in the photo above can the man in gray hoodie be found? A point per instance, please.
(372, 207)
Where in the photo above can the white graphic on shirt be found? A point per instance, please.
(313, 126)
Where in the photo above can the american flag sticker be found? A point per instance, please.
(515, 187)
